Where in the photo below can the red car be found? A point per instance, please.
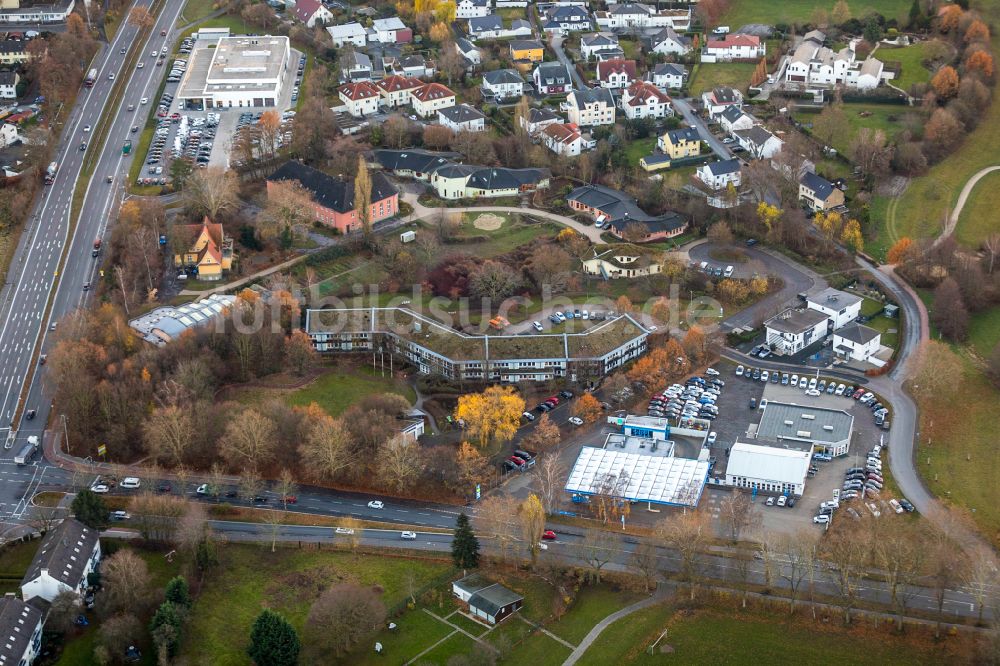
(549, 535)
(553, 400)
(517, 461)
(290, 499)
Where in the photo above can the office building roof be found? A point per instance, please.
(753, 461)
(805, 423)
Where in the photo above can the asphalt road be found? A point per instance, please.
(696, 121)
(33, 277)
(556, 43)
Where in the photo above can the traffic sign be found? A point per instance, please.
(102, 450)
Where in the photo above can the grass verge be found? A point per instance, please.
(772, 12)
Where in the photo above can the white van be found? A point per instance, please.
(130, 482)
(703, 266)
(728, 272)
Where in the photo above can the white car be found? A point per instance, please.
(144, 100)
(152, 54)
(712, 437)
(344, 530)
(812, 393)
(408, 535)
(576, 420)
(712, 372)
(130, 482)
(202, 489)
(840, 389)
(99, 488)
(140, 65)
(86, 128)
(803, 382)
(542, 546)
(376, 504)
(821, 520)
(120, 515)
(739, 371)
(537, 325)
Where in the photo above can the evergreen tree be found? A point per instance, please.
(205, 557)
(178, 593)
(464, 545)
(273, 642)
(914, 13)
(89, 509)
(166, 627)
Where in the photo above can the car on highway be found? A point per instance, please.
(152, 54)
(83, 146)
(344, 530)
(202, 489)
(86, 286)
(576, 420)
(549, 535)
(123, 51)
(144, 100)
(99, 488)
(290, 499)
(376, 504)
(86, 128)
(111, 76)
(135, 128)
(140, 65)
(258, 499)
(408, 535)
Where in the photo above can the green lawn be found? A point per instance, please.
(336, 391)
(236, 25)
(772, 12)
(511, 234)
(889, 329)
(707, 76)
(636, 150)
(984, 331)
(912, 60)
(539, 650)
(885, 117)
(630, 635)
(416, 631)
(871, 307)
(591, 606)
(457, 644)
(978, 219)
(195, 10)
(250, 578)
(16, 558)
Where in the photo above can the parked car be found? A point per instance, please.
(739, 371)
(529, 416)
(576, 420)
(821, 519)
(549, 535)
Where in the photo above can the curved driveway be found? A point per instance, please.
(949, 227)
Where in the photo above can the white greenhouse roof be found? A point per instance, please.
(768, 463)
(664, 480)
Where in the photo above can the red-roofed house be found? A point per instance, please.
(644, 100)
(566, 139)
(312, 12)
(361, 98)
(616, 73)
(733, 47)
(204, 249)
(395, 90)
(428, 99)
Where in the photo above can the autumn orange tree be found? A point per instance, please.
(949, 17)
(945, 82)
(980, 61)
(587, 407)
(977, 32)
(662, 365)
(491, 416)
(900, 251)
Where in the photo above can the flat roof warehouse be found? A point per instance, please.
(237, 71)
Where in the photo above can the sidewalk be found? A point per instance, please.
(659, 596)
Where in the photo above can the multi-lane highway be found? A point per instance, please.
(35, 278)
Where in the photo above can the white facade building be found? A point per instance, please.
(21, 625)
(718, 175)
(768, 469)
(65, 557)
(791, 331)
(858, 342)
(349, 33)
(669, 76)
(840, 307)
(733, 47)
(590, 108)
(466, 9)
(238, 72)
(644, 100)
(462, 118)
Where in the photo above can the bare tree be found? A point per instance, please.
(63, 611)
(211, 192)
(847, 552)
(992, 247)
(496, 516)
(549, 476)
(43, 518)
(168, 432)
(532, 523)
(898, 551)
(274, 520)
(647, 561)
(738, 514)
(399, 463)
(250, 483)
(352, 533)
(192, 528)
(157, 515)
(981, 578)
(325, 449)
(286, 487)
(126, 582)
(289, 208)
(597, 549)
(356, 612)
(799, 552)
(249, 440)
(688, 534)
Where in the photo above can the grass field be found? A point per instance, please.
(957, 453)
(885, 117)
(195, 10)
(978, 219)
(772, 12)
(250, 578)
(707, 76)
(592, 605)
(513, 233)
(638, 149)
(911, 58)
(984, 331)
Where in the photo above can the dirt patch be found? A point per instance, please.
(297, 585)
(488, 222)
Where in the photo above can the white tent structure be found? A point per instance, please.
(657, 479)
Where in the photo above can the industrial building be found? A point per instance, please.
(768, 469)
(242, 71)
(805, 428)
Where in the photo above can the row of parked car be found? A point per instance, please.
(585, 315)
(696, 398)
(548, 404)
(179, 66)
(520, 461)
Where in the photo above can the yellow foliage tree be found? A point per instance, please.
(473, 466)
(492, 415)
(439, 32)
(733, 292)
(758, 285)
(587, 407)
(852, 237)
(829, 223)
(768, 214)
(532, 523)
(565, 235)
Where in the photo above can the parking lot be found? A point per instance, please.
(202, 137)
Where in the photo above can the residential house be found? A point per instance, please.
(813, 64)
(839, 307)
(619, 212)
(644, 100)
(413, 65)
(13, 52)
(470, 53)
(8, 85)
(203, 249)
(487, 601)
(593, 44)
(564, 19)
(502, 85)
(9, 135)
(348, 33)
(394, 91)
(733, 47)
(539, 119)
(460, 181)
(489, 26)
(734, 118)
(501, 4)
(758, 142)
(590, 107)
(668, 75)
(635, 16)
(667, 42)
(819, 194)
(682, 142)
(551, 78)
(466, 9)
(356, 66)
(720, 174)
(431, 98)
(333, 198)
(518, 28)
(312, 12)
(413, 162)
(566, 139)
(462, 118)
(718, 99)
(857, 342)
(390, 31)
(21, 626)
(621, 260)
(527, 50)
(68, 554)
(616, 74)
(361, 98)
(818, 37)
(791, 331)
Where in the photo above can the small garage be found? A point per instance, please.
(488, 601)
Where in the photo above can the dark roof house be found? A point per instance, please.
(67, 554)
(618, 210)
(488, 601)
(20, 631)
(333, 193)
